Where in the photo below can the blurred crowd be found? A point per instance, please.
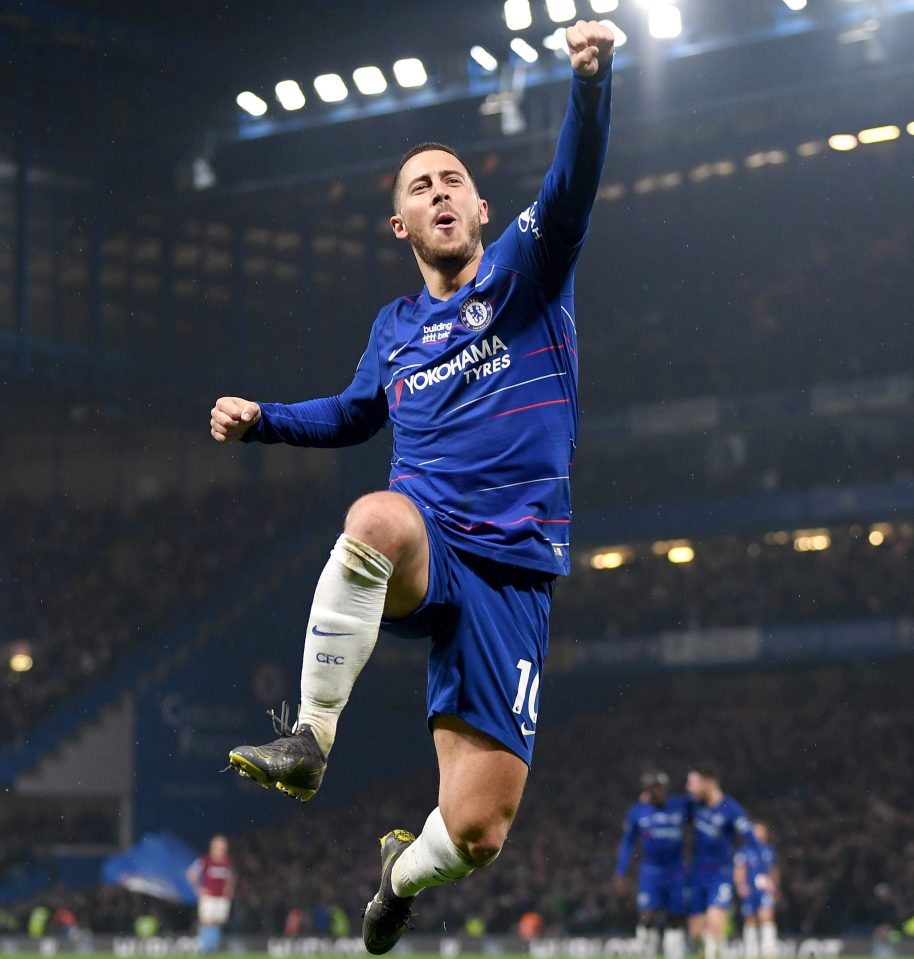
(741, 581)
(81, 617)
(821, 754)
(89, 585)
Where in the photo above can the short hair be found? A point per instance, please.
(707, 770)
(654, 777)
(424, 148)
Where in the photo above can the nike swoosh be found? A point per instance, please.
(320, 632)
(525, 731)
(396, 352)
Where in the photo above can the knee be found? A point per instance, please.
(388, 522)
(479, 840)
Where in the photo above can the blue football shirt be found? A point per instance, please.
(481, 389)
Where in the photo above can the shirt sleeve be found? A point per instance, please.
(545, 240)
(629, 837)
(742, 825)
(350, 417)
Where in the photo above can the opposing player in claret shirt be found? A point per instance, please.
(477, 374)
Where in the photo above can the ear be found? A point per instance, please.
(399, 227)
(483, 211)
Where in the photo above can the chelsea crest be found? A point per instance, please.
(476, 314)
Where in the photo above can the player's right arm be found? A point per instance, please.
(630, 833)
(350, 417)
(741, 875)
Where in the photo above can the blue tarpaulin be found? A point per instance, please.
(156, 865)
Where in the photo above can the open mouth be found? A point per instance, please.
(445, 220)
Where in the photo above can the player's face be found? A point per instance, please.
(696, 786)
(440, 212)
(218, 848)
(657, 792)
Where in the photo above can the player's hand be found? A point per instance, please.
(590, 46)
(231, 418)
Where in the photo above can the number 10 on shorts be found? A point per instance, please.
(525, 667)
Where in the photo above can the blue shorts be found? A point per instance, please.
(661, 888)
(757, 901)
(489, 628)
(710, 888)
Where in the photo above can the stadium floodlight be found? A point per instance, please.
(251, 103)
(369, 80)
(842, 142)
(620, 35)
(910, 128)
(604, 6)
(810, 149)
(524, 50)
(21, 661)
(483, 58)
(795, 4)
(611, 559)
(876, 537)
(410, 72)
(517, 14)
(681, 553)
(290, 95)
(879, 134)
(664, 21)
(561, 11)
(330, 87)
(556, 41)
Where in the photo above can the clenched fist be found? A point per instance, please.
(590, 46)
(231, 418)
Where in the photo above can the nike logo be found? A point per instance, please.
(525, 731)
(320, 632)
(396, 352)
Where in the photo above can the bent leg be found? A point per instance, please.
(378, 566)
(481, 784)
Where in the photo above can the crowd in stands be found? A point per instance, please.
(89, 585)
(740, 581)
(821, 754)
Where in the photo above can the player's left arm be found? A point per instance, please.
(548, 235)
(742, 826)
(571, 184)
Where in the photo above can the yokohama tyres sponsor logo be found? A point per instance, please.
(476, 361)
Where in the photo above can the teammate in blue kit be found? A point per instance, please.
(658, 821)
(756, 877)
(719, 821)
(477, 374)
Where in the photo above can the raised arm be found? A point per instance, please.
(573, 179)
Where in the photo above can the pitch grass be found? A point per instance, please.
(265, 955)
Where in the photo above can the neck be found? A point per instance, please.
(716, 796)
(444, 283)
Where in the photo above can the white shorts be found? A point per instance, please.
(213, 910)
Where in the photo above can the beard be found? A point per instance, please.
(454, 258)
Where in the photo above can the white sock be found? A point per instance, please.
(769, 940)
(712, 946)
(648, 939)
(674, 944)
(342, 632)
(432, 860)
(750, 941)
